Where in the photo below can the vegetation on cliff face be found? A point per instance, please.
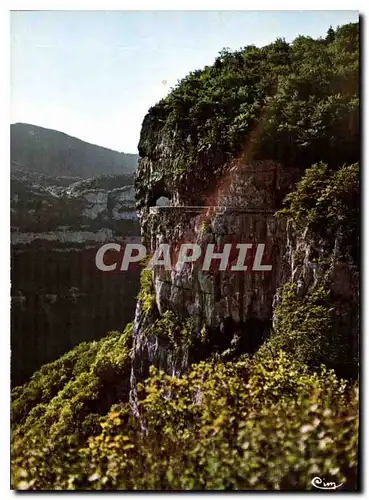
(328, 201)
(313, 325)
(294, 103)
(146, 295)
(309, 330)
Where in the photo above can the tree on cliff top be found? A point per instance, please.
(294, 103)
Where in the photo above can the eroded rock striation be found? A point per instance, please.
(228, 312)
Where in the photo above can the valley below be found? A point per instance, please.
(58, 223)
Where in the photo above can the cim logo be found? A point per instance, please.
(320, 483)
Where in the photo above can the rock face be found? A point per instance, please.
(233, 309)
(59, 297)
(309, 262)
(208, 147)
(224, 311)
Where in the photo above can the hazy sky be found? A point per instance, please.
(94, 74)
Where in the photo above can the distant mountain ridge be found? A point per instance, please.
(53, 153)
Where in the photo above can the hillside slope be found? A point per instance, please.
(54, 153)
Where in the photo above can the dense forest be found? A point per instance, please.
(295, 103)
(272, 420)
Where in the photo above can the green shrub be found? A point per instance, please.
(318, 325)
(146, 295)
(306, 328)
(266, 423)
(326, 201)
(52, 415)
(46, 383)
(179, 332)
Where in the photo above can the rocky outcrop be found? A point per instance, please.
(314, 263)
(230, 311)
(225, 146)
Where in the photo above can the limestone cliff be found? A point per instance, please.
(230, 312)
(321, 267)
(225, 171)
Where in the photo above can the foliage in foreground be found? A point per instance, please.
(260, 423)
(62, 403)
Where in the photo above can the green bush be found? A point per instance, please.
(63, 403)
(316, 325)
(146, 295)
(326, 201)
(306, 328)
